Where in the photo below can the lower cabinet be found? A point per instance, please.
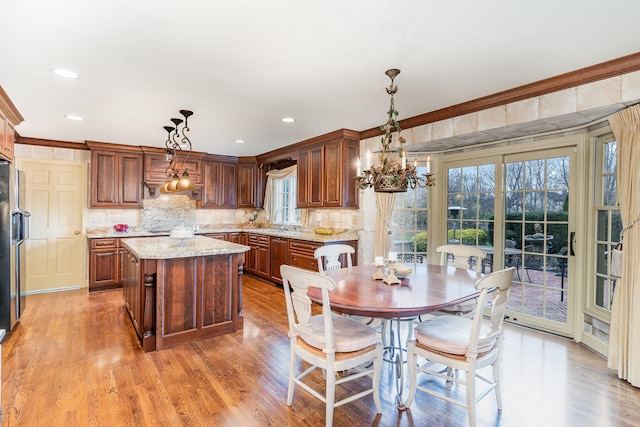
(105, 264)
(258, 262)
(279, 255)
(193, 298)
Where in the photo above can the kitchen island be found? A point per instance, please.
(178, 290)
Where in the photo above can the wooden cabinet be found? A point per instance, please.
(327, 171)
(219, 236)
(175, 300)
(247, 183)
(116, 177)
(220, 183)
(156, 163)
(310, 176)
(279, 254)
(240, 238)
(9, 119)
(301, 254)
(105, 264)
(340, 170)
(258, 261)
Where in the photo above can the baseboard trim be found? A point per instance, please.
(46, 291)
(594, 344)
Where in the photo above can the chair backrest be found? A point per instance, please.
(464, 256)
(296, 282)
(500, 282)
(328, 256)
(510, 243)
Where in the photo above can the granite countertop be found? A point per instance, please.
(344, 236)
(167, 247)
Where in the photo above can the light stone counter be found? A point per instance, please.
(345, 236)
(167, 247)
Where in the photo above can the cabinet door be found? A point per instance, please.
(228, 186)
(130, 179)
(316, 176)
(262, 261)
(104, 269)
(333, 174)
(104, 179)
(247, 185)
(10, 134)
(303, 180)
(279, 255)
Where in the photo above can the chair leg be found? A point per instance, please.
(413, 380)
(292, 374)
(471, 395)
(377, 370)
(496, 380)
(330, 398)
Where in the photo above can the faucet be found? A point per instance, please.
(275, 215)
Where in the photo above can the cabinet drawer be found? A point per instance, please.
(104, 243)
(303, 246)
(259, 240)
(303, 261)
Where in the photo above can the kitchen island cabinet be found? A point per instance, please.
(178, 290)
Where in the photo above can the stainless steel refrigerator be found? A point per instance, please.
(14, 232)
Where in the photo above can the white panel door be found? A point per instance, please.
(55, 193)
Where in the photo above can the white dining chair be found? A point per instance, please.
(464, 257)
(328, 256)
(327, 341)
(463, 344)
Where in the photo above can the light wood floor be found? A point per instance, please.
(74, 361)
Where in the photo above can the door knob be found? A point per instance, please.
(76, 232)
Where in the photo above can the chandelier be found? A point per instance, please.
(178, 148)
(391, 175)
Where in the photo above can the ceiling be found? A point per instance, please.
(243, 65)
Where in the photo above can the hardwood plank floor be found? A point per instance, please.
(74, 361)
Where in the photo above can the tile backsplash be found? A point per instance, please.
(167, 212)
(164, 215)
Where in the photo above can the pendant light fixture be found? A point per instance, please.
(178, 148)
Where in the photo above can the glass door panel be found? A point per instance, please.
(536, 230)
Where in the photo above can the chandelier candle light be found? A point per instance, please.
(391, 175)
(178, 148)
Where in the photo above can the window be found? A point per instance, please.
(607, 223)
(285, 206)
(280, 197)
(409, 224)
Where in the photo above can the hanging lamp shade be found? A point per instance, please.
(173, 184)
(185, 183)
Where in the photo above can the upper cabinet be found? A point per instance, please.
(116, 175)
(9, 119)
(220, 182)
(156, 163)
(327, 171)
(247, 182)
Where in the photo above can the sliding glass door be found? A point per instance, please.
(517, 208)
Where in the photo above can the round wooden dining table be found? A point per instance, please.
(428, 288)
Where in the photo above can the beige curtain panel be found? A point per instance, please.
(385, 203)
(269, 192)
(624, 334)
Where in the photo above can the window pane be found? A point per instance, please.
(609, 190)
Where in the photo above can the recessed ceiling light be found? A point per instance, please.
(288, 119)
(67, 74)
(239, 141)
(72, 117)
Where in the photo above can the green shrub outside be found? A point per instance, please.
(468, 236)
(420, 241)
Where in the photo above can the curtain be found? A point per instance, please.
(269, 192)
(385, 203)
(624, 331)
